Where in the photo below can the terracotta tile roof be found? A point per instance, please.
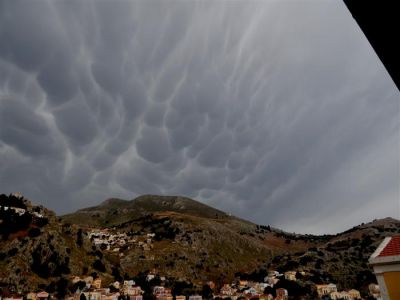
(392, 248)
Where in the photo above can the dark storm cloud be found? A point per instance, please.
(279, 112)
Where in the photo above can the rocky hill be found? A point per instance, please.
(116, 211)
(192, 240)
(342, 258)
(37, 251)
(176, 237)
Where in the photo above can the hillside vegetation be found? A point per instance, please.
(116, 211)
(176, 237)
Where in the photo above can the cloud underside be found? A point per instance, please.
(278, 112)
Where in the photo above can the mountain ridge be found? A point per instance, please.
(179, 238)
(139, 207)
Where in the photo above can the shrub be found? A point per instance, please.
(41, 222)
(12, 252)
(79, 239)
(61, 288)
(304, 260)
(34, 232)
(99, 266)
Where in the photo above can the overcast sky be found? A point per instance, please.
(279, 112)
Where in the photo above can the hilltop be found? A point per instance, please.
(115, 211)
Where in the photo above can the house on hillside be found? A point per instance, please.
(38, 215)
(93, 295)
(158, 290)
(251, 291)
(30, 296)
(162, 293)
(97, 283)
(227, 290)
(116, 284)
(129, 282)
(281, 294)
(243, 284)
(260, 287)
(335, 295)
(133, 290)
(273, 273)
(374, 290)
(42, 296)
(290, 275)
(326, 289)
(345, 296)
(113, 296)
(272, 277)
(354, 294)
(266, 297)
(386, 263)
(149, 276)
(19, 211)
(164, 297)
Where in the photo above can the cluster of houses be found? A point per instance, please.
(250, 290)
(92, 290)
(163, 293)
(374, 291)
(89, 288)
(330, 291)
(30, 296)
(126, 290)
(256, 290)
(114, 241)
(18, 210)
(244, 289)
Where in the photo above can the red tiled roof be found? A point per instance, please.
(392, 248)
(42, 295)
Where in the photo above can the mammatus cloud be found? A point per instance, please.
(279, 112)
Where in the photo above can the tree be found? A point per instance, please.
(34, 232)
(78, 285)
(61, 288)
(270, 290)
(294, 289)
(79, 239)
(207, 292)
(116, 274)
(299, 275)
(155, 281)
(181, 288)
(99, 266)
